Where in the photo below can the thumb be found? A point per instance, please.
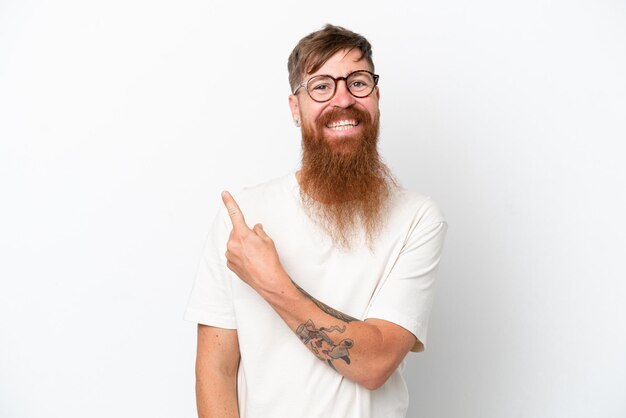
(258, 229)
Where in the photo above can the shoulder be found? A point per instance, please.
(270, 197)
(274, 188)
(420, 208)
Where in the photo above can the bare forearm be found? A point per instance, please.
(216, 397)
(356, 349)
(217, 363)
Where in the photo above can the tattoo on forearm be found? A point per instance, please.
(318, 341)
(327, 309)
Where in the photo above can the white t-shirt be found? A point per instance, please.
(278, 376)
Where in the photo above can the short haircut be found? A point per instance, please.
(316, 48)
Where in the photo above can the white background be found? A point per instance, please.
(121, 121)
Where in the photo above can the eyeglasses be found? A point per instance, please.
(322, 88)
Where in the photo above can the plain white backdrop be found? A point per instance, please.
(121, 121)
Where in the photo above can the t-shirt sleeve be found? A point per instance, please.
(211, 301)
(406, 295)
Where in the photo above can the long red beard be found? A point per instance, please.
(344, 185)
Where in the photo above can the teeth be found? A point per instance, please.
(342, 124)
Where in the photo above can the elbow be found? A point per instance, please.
(375, 379)
(371, 384)
(379, 369)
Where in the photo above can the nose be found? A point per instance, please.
(342, 97)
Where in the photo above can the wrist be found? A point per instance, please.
(271, 283)
(278, 288)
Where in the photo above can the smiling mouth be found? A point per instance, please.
(342, 125)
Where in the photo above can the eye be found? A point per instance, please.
(359, 85)
(322, 87)
(360, 81)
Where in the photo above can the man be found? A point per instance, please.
(335, 262)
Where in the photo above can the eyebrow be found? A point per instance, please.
(315, 75)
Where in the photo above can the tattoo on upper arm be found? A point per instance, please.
(318, 340)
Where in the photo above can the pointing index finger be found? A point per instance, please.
(236, 216)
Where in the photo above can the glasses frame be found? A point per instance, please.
(336, 80)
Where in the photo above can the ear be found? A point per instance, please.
(377, 93)
(295, 108)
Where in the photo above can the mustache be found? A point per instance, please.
(337, 113)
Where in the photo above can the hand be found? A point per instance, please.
(250, 253)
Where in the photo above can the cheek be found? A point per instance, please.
(372, 107)
(311, 113)
(374, 112)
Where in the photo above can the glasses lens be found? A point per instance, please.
(321, 87)
(360, 83)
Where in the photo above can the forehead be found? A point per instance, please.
(342, 63)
